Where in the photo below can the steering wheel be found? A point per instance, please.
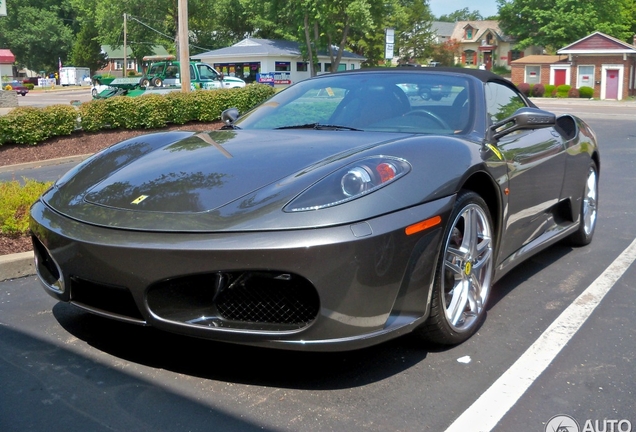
(435, 117)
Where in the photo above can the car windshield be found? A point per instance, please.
(206, 72)
(396, 102)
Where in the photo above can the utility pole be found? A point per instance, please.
(125, 42)
(184, 48)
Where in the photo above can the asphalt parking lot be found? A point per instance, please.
(558, 340)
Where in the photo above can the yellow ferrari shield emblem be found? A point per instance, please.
(139, 199)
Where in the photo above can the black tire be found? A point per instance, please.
(589, 209)
(157, 82)
(144, 82)
(463, 275)
(94, 92)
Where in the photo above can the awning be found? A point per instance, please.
(6, 56)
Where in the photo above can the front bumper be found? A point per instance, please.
(368, 281)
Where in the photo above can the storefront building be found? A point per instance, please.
(279, 62)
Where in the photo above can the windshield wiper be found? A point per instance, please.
(319, 126)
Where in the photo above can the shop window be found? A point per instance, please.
(469, 56)
(585, 77)
(515, 55)
(302, 66)
(533, 74)
(283, 67)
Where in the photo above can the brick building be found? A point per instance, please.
(602, 62)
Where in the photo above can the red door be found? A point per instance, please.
(559, 77)
(611, 84)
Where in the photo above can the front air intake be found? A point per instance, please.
(247, 300)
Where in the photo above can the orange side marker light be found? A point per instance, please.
(421, 226)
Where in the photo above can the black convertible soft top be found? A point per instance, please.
(480, 74)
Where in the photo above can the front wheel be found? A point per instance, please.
(463, 276)
(589, 209)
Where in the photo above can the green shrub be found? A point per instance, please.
(30, 125)
(563, 90)
(94, 115)
(501, 70)
(15, 201)
(23, 126)
(29, 86)
(181, 110)
(59, 119)
(586, 92)
(550, 90)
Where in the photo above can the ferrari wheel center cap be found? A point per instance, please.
(468, 268)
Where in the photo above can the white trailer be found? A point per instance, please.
(75, 76)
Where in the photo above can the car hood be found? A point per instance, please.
(217, 181)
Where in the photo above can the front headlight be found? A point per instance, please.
(353, 181)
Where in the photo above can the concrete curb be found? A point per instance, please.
(19, 265)
(46, 162)
(16, 265)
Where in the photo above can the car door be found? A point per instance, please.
(536, 169)
(208, 77)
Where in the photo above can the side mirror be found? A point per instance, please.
(523, 119)
(230, 115)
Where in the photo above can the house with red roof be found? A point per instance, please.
(599, 61)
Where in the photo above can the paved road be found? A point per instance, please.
(59, 96)
(63, 369)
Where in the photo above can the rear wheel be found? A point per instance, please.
(463, 277)
(144, 82)
(589, 208)
(157, 82)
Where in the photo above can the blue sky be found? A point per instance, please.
(444, 7)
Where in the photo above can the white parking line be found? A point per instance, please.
(492, 405)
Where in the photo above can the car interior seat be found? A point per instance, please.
(363, 107)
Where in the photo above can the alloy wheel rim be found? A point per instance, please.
(468, 261)
(590, 202)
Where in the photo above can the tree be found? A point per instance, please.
(446, 52)
(554, 24)
(38, 33)
(462, 15)
(87, 50)
(414, 34)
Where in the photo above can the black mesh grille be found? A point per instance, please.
(262, 300)
(250, 300)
